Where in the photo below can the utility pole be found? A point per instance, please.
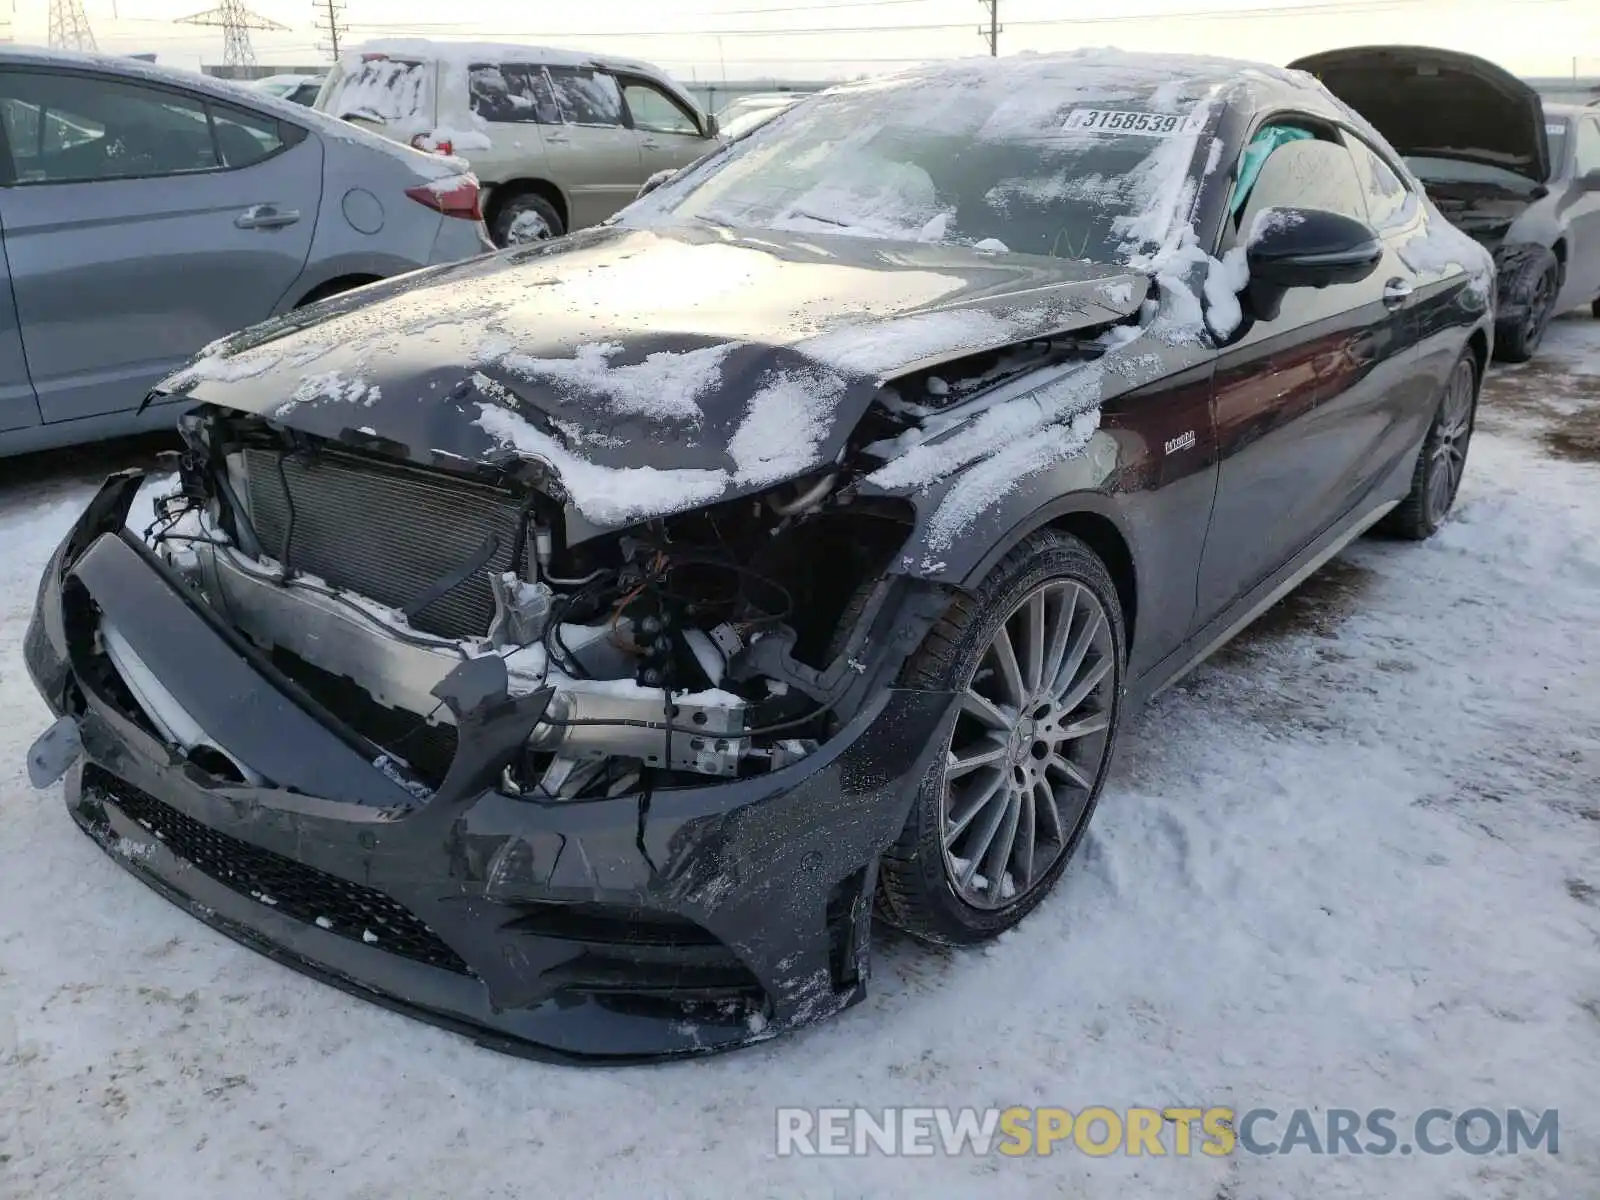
(328, 23)
(236, 21)
(991, 33)
(69, 26)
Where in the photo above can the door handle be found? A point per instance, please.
(1396, 293)
(266, 216)
(650, 144)
(560, 138)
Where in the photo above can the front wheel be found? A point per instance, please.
(1532, 280)
(1036, 657)
(524, 219)
(1443, 460)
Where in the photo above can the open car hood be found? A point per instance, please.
(644, 372)
(1440, 103)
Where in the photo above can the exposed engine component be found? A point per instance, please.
(699, 645)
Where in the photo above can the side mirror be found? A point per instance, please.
(1309, 247)
(1590, 182)
(713, 128)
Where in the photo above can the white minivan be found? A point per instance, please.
(558, 140)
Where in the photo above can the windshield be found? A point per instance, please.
(1068, 162)
(1454, 170)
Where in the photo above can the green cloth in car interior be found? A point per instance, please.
(1268, 138)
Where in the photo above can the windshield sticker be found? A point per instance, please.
(1109, 120)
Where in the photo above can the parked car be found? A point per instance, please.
(297, 89)
(753, 111)
(580, 644)
(559, 140)
(147, 212)
(1520, 176)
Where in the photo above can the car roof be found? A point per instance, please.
(470, 53)
(1141, 73)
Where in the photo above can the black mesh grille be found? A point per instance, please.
(348, 909)
(388, 533)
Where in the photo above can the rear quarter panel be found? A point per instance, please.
(397, 233)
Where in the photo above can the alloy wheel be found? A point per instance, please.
(1029, 744)
(1452, 434)
(527, 227)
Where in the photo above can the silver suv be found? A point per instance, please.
(559, 140)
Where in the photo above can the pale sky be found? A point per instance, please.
(822, 39)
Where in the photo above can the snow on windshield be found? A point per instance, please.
(1060, 155)
(389, 90)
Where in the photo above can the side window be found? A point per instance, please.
(1305, 174)
(244, 137)
(89, 129)
(1588, 146)
(585, 97)
(1390, 203)
(653, 111)
(512, 94)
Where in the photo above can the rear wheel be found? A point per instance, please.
(525, 218)
(1437, 477)
(1530, 284)
(1036, 656)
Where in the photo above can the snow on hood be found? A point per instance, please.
(649, 371)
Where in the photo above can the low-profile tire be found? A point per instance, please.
(1437, 477)
(1530, 278)
(997, 819)
(525, 218)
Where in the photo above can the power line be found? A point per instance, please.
(236, 22)
(1322, 7)
(328, 23)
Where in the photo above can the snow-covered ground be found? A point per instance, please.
(1354, 861)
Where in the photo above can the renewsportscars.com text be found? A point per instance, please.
(1174, 1131)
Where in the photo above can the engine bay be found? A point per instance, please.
(724, 642)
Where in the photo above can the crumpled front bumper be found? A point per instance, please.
(682, 921)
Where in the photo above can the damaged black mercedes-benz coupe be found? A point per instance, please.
(582, 645)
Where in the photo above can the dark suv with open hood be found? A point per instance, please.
(1521, 177)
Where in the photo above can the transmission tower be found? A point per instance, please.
(991, 32)
(236, 21)
(329, 25)
(69, 27)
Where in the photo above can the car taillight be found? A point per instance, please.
(427, 145)
(456, 197)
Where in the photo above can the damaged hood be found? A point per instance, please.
(1439, 103)
(642, 372)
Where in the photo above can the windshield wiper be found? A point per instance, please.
(811, 216)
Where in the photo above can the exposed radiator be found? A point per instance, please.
(388, 533)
